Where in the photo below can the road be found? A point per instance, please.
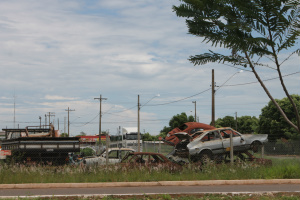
(101, 191)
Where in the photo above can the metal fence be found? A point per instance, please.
(280, 149)
(283, 148)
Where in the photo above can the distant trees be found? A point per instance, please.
(64, 135)
(81, 134)
(148, 137)
(176, 121)
(271, 121)
(243, 124)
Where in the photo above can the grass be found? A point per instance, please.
(14, 174)
(276, 196)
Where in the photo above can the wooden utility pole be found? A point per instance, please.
(50, 114)
(69, 120)
(139, 134)
(236, 126)
(195, 110)
(213, 98)
(100, 116)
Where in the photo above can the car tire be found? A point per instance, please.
(205, 157)
(255, 146)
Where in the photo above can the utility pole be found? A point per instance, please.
(139, 134)
(236, 121)
(69, 120)
(40, 121)
(14, 110)
(213, 98)
(57, 123)
(195, 110)
(65, 124)
(45, 121)
(100, 116)
(51, 114)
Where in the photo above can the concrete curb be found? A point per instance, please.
(144, 184)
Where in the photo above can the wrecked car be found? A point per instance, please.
(214, 144)
(149, 159)
(189, 127)
(115, 155)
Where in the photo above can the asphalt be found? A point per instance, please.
(154, 183)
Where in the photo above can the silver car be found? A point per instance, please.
(214, 144)
(115, 155)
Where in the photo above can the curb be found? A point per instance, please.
(144, 184)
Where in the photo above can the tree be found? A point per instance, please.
(227, 121)
(176, 121)
(245, 124)
(251, 30)
(272, 123)
(64, 135)
(148, 137)
(81, 134)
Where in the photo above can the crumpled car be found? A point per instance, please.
(149, 159)
(115, 155)
(189, 128)
(214, 144)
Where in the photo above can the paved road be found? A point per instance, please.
(253, 188)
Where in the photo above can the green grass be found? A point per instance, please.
(276, 196)
(281, 169)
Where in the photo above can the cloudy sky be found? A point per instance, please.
(57, 55)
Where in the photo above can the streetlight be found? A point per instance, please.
(139, 108)
(40, 121)
(230, 78)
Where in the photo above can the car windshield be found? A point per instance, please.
(132, 136)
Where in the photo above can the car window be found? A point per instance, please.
(124, 153)
(113, 154)
(226, 133)
(139, 159)
(196, 130)
(156, 159)
(211, 136)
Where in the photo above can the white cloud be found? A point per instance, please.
(59, 54)
(54, 97)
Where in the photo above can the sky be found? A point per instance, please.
(59, 55)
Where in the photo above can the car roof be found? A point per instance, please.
(126, 149)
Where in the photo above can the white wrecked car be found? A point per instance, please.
(214, 144)
(115, 155)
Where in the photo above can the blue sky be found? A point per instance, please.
(60, 54)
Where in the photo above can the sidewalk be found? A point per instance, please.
(144, 184)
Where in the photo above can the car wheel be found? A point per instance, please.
(206, 158)
(255, 146)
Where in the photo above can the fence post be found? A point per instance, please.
(231, 148)
(107, 146)
(262, 151)
(159, 146)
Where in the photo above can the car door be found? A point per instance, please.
(211, 140)
(113, 157)
(237, 138)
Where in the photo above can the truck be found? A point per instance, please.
(128, 138)
(34, 144)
